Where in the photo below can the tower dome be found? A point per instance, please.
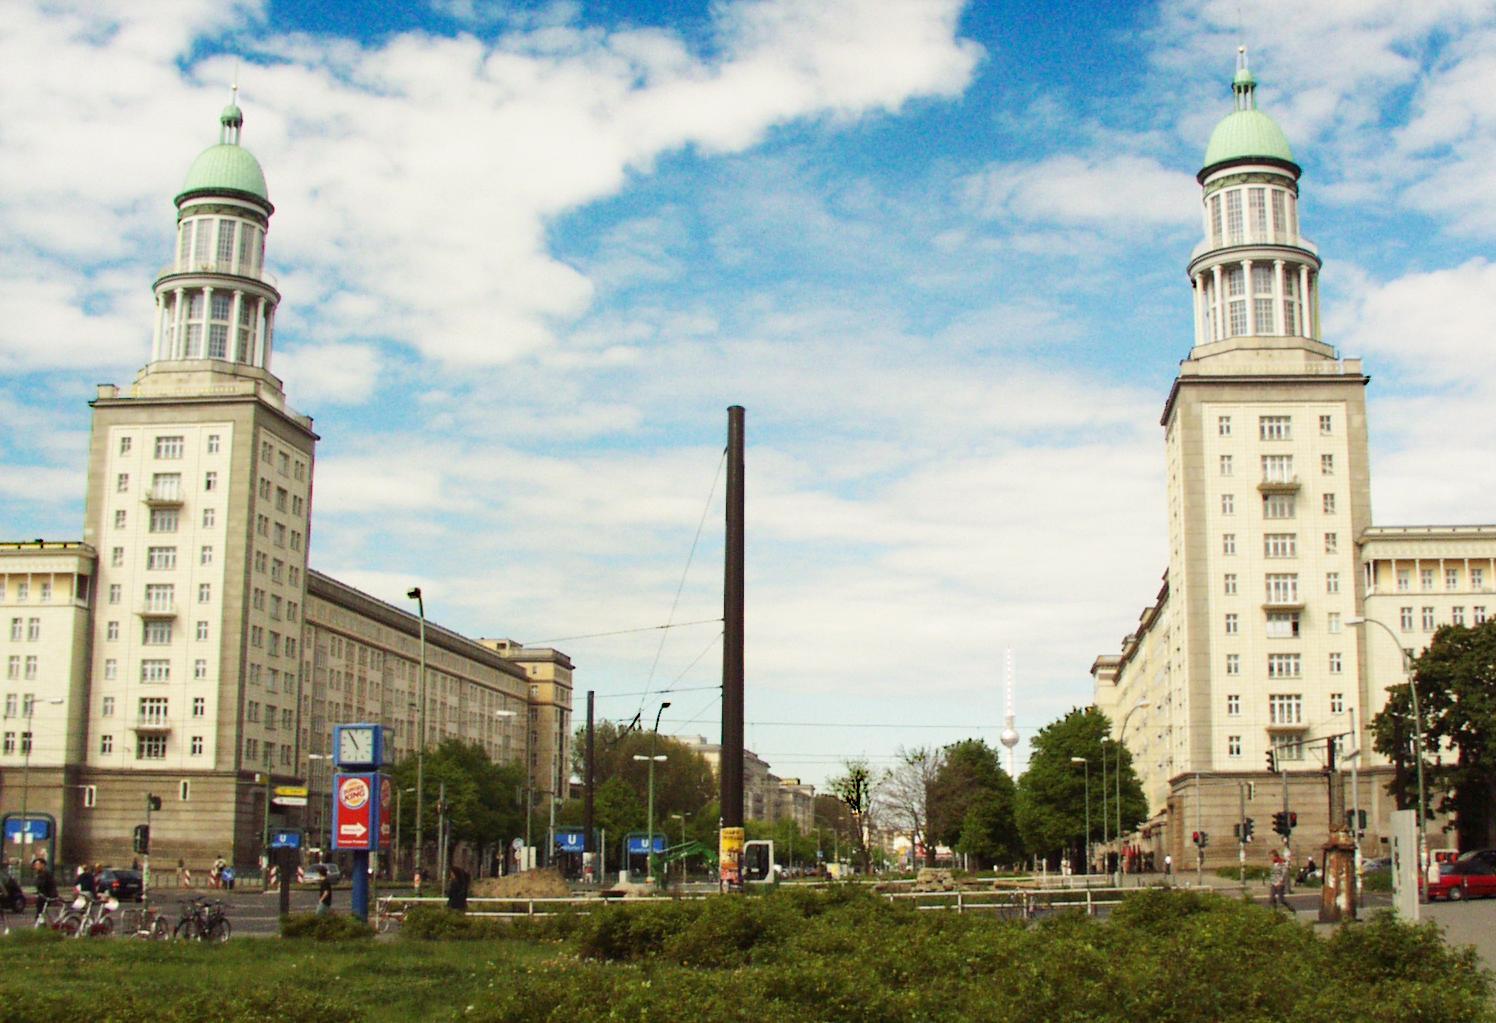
(227, 168)
(1246, 133)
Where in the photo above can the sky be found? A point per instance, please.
(530, 253)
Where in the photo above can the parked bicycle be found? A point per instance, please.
(90, 917)
(50, 912)
(145, 923)
(203, 920)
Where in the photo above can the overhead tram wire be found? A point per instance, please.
(625, 632)
(690, 557)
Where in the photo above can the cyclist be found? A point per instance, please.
(46, 884)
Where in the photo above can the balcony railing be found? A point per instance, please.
(158, 609)
(163, 496)
(1276, 484)
(213, 266)
(153, 723)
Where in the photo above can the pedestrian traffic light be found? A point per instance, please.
(1280, 823)
(1195, 837)
(1200, 838)
(1293, 820)
(153, 801)
(143, 839)
(1355, 820)
(1246, 830)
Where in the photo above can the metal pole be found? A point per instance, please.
(1105, 815)
(1088, 818)
(1199, 849)
(415, 593)
(265, 836)
(1241, 836)
(441, 833)
(1356, 803)
(1121, 734)
(396, 870)
(589, 840)
(26, 775)
(732, 628)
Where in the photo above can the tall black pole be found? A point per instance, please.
(589, 842)
(732, 629)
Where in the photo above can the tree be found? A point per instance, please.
(1456, 679)
(483, 801)
(905, 797)
(1051, 807)
(972, 804)
(857, 787)
(683, 781)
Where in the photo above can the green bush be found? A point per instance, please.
(328, 927)
(1255, 872)
(437, 923)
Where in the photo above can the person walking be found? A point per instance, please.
(457, 888)
(1278, 883)
(324, 895)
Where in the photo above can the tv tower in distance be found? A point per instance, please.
(1010, 733)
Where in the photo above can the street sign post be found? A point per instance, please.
(360, 802)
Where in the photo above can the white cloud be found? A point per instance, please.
(1117, 191)
(328, 374)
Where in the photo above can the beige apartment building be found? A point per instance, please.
(184, 650)
(1249, 654)
(766, 796)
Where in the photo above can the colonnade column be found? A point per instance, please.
(1220, 304)
(1247, 290)
(177, 326)
(1278, 304)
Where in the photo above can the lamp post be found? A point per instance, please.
(26, 768)
(397, 826)
(653, 758)
(1417, 737)
(1121, 734)
(1087, 763)
(415, 594)
(682, 818)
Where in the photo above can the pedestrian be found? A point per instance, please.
(215, 876)
(1278, 883)
(324, 895)
(1168, 864)
(227, 875)
(457, 888)
(46, 884)
(83, 884)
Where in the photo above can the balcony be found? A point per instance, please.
(1279, 485)
(163, 497)
(158, 609)
(153, 724)
(1286, 602)
(213, 266)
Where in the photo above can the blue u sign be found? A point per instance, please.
(34, 829)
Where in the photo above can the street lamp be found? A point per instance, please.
(26, 767)
(682, 818)
(1121, 734)
(415, 594)
(1417, 737)
(653, 759)
(397, 828)
(1087, 763)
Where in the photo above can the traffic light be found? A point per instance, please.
(1293, 820)
(143, 839)
(1280, 823)
(1246, 830)
(1200, 838)
(1195, 837)
(153, 802)
(1355, 820)
(1272, 762)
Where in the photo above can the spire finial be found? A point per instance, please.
(232, 118)
(1244, 86)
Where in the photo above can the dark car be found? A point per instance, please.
(1471, 876)
(125, 885)
(314, 872)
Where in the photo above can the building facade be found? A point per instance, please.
(184, 650)
(1250, 663)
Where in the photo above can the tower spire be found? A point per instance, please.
(1010, 733)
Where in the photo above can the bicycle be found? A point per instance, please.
(145, 923)
(50, 912)
(203, 920)
(387, 915)
(95, 918)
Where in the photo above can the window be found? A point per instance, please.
(23, 591)
(260, 561)
(300, 472)
(122, 483)
(1274, 427)
(157, 633)
(270, 716)
(169, 447)
(1332, 623)
(1282, 588)
(1228, 543)
(1280, 545)
(1326, 424)
(1337, 664)
(1277, 468)
(264, 489)
(1226, 465)
(13, 667)
(277, 569)
(161, 558)
(1285, 709)
(256, 636)
(1404, 580)
(295, 540)
(280, 535)
(1233, 664)
(150, 747)
(1426, 579)
(1478, 614)
(275, 607)
(10, 743)
(1228, 504)
(251, 711)
(119, 519)
(296, 505)
(1231, 625)
(114, 593)
(1332, 543)
(212, 443)
(274, 648)
(15, 630)
(197, 747)
(199, 706)
(10, 705)
(1233, 705)
(33, 629)
(1477, 578)
(1233, 217)
(1283, 625)
(204, 593)
(1284, 666)
(124, 445)
(283, 464)
(163, 520)
(251, 750)
(1428, 619)
(160, 596)
(287, 718)
(1233, 745)
(257, 599)
(31, 668)
(155, 671)
(205, 555)
(200, 669)
(1451, 578)
(262, 525)
(106, 744)
(202, 630)
(1277, 506)
(1332, 582)
(267, 451)
(117, 557)
(1405, 619)
(281, 498)
(295, 576)
(1327, 503)
(1327, 465)
(1223, 426)
(1230, 586)
(210, 516)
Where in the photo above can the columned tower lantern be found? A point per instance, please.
(1256, 278)
(214, 300)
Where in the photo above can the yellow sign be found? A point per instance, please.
(732, 857)
(291, 790)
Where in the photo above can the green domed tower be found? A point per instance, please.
(215, 301)
(1255, 276)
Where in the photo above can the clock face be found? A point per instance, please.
(356, 746)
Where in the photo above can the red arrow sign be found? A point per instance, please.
(355, 829)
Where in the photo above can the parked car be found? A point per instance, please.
(1471, 876)
(125, 885)
(314, 872)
